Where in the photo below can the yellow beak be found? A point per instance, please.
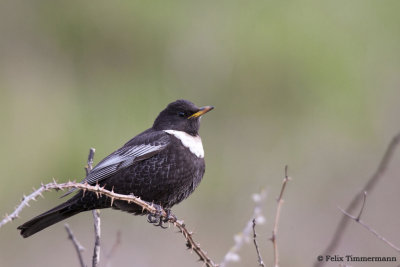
(202, 111)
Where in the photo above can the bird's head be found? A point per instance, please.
(181, 115)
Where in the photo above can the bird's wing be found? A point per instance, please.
(124, 157)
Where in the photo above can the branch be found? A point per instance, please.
(85, 187)
(375, 178)
(190, 243)
(89, 166)
(24, 203)
(78, 247)
(114, 247)
(96, 216)
(241, 238)
(278, 212)
(97, 232)
(100, 191)
(260, 261)
(366, 226)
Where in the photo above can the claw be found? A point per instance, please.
(161, 224)
(151, 218)
(157, 219)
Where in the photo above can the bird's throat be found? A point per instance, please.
(193, 143)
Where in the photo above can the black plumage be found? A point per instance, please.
(163, 165)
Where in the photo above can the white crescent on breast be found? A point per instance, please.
(193, 143)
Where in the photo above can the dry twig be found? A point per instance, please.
(89, 166)
(114, 247)
(96, 216)
(260, 261)
(244, 236)
(78, 247)
(276, 223)
(366, 226)
(340, 229)
(97, 233)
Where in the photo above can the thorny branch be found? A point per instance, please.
(260, 261)
(100, 191)
(276, 223)
(78, 247)
(340, 229)
(366, 226)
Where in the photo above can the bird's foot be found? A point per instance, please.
(157, 219)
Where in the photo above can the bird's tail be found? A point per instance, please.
(44, 220)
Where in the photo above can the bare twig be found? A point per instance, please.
(97, 233)
(366, 226)
(340, 229)
(260, 261)
(244, 236)
(114, 247)
(100, 191)
(78, 247)
(96, 216)
(276, 223)
(89, 165)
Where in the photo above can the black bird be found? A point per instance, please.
(163, 165)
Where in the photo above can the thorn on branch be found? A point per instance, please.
(375, 178)
(366, 226)
(362, 207)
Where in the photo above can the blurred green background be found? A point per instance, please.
(311, 84)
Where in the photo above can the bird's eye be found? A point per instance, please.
(181, 114)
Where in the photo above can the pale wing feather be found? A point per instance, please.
(122, 158)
